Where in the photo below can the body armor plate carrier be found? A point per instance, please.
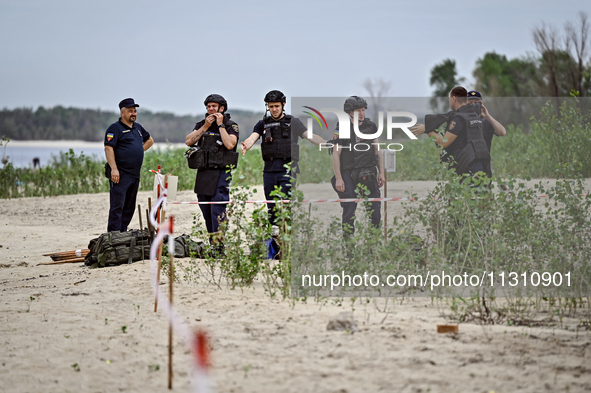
(277, 141)
(476, 149)
(211, 152)
(361, 163)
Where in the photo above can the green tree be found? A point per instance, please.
(88, 124)
(496, 76)
(444, 77)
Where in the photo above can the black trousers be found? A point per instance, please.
(270, 180)
(349, 208)
(122, 200)
(214, 215)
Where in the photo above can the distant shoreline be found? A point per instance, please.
(76, 144)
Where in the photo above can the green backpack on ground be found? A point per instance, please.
(115, 248)
(185, 247)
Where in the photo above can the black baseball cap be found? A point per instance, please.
(127, 103)
(473, 94)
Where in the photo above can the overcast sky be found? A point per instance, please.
(170, 55)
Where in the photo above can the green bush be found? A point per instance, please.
(557, 137)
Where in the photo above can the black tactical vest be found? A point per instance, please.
(211, 152)
(277, 140)
(360, 157)
(476, 149)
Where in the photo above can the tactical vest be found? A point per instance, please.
(211, 151)
(361, 158)
(277, 140)
(476, 149)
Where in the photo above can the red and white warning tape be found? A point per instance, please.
(303, 201)
(197, 341)
(340, 200)
(317, 200)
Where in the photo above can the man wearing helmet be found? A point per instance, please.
(279, 147)
(216, 137)
(355, 165)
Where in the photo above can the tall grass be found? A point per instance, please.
(68, 174)
(464, 231)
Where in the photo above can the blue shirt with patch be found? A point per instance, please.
(128, 146)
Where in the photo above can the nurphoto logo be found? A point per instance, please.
(345, 128)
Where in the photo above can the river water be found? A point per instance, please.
(22, 153)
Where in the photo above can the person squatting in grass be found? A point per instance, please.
(279, 148)
(354, 166)
(214, 139)
(125, 144)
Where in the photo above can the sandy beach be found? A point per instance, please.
(67, 328)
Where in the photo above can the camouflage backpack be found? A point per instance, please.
(115, 248)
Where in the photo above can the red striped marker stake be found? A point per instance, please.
(170, 292)
(201, 360)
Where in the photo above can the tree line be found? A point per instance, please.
(560, 67)
(59, 123)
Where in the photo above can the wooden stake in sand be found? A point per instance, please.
(160, 220)
(170, 284)
(149, 206)
(59, 256)
(386, 209)
(150, 228)
(139, 213)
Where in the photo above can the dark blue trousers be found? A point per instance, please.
(214, 215)
(122, 199)
(270, 180)
(348, 220)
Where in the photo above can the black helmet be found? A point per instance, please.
(275, 96)
(218, 99)
(353, 103)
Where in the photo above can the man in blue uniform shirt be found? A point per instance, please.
(125, 143)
